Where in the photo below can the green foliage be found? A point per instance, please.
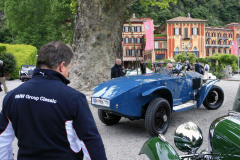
(3, 49)
(191, 57)
(217, 12)
(73, 6)
(37, 22)
(24, 55)
(9, 62)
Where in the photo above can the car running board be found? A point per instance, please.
(184, 107)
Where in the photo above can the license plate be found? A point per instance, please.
(101, 102)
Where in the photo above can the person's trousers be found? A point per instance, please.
(3, 81)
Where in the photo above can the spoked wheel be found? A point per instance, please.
(214, 99)
(157, 117)
(108, 118)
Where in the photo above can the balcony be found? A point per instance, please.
(217, 46)
(208, 37)
(223, 38)
(186, 38)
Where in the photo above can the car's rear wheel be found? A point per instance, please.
(214, 98)
(157, 117)
(108, 118)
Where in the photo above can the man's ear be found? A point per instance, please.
(61, 66)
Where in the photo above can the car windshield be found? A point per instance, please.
(28, 67)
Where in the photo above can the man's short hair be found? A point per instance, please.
(54, 53)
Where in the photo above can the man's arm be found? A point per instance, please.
(6, 138)
(87, 131)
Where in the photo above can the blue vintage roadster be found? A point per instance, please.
(154, 97)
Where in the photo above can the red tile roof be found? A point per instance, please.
(185, 19)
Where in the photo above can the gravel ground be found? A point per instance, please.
(124, 140)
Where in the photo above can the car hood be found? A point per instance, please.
(117, 86)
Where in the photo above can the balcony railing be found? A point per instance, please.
(186, 38)
(217, 45)
(223, 38)
(208, 37)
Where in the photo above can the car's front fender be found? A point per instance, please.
(157, 149)
(204, 91)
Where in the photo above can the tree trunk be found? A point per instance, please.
(97, 41)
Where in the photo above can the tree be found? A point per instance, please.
(97, 39)
(37, 22)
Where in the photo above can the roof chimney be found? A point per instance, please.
(133, 16)
(188, 15)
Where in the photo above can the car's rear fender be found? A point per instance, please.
(161, 91)
(204, 91)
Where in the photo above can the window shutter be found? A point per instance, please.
(197, 31)
(179, 31)
(192, 32)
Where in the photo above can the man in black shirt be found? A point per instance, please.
(117, 70)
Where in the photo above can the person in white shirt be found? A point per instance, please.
(206, 69)
(179, 65)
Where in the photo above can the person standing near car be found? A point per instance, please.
(179, 65)
(198, 67)
(143, 67)
(117, 70)
(206, 70)
(2, 77)
(52, 122)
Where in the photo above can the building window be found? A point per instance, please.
(237, 35)
(126, 29)
(132, 40)
(139, 29)
(229, 51)
(225, 51)
(219, 42)
(164, 44)
(213, 42)
(139, 52)
(177, 31)
(128, 52)
(185, 49)
(237, 29)
(195, 31)
(138, 40)
(133, 29)
(219, 34)
(213, 51)
(219, 51)
(213, 34)
(133, 52)
(126, 40)
(225, 42)
(207, 34)
(207, 41)
(207, 52)
(186, 32)
(229, 43)
(230, 35)
(156, 45)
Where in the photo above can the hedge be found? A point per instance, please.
(24, 55)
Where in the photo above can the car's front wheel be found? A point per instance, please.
(157, 117)
(214, 98)
(108, 118)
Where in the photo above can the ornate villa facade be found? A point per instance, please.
(180, 34)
